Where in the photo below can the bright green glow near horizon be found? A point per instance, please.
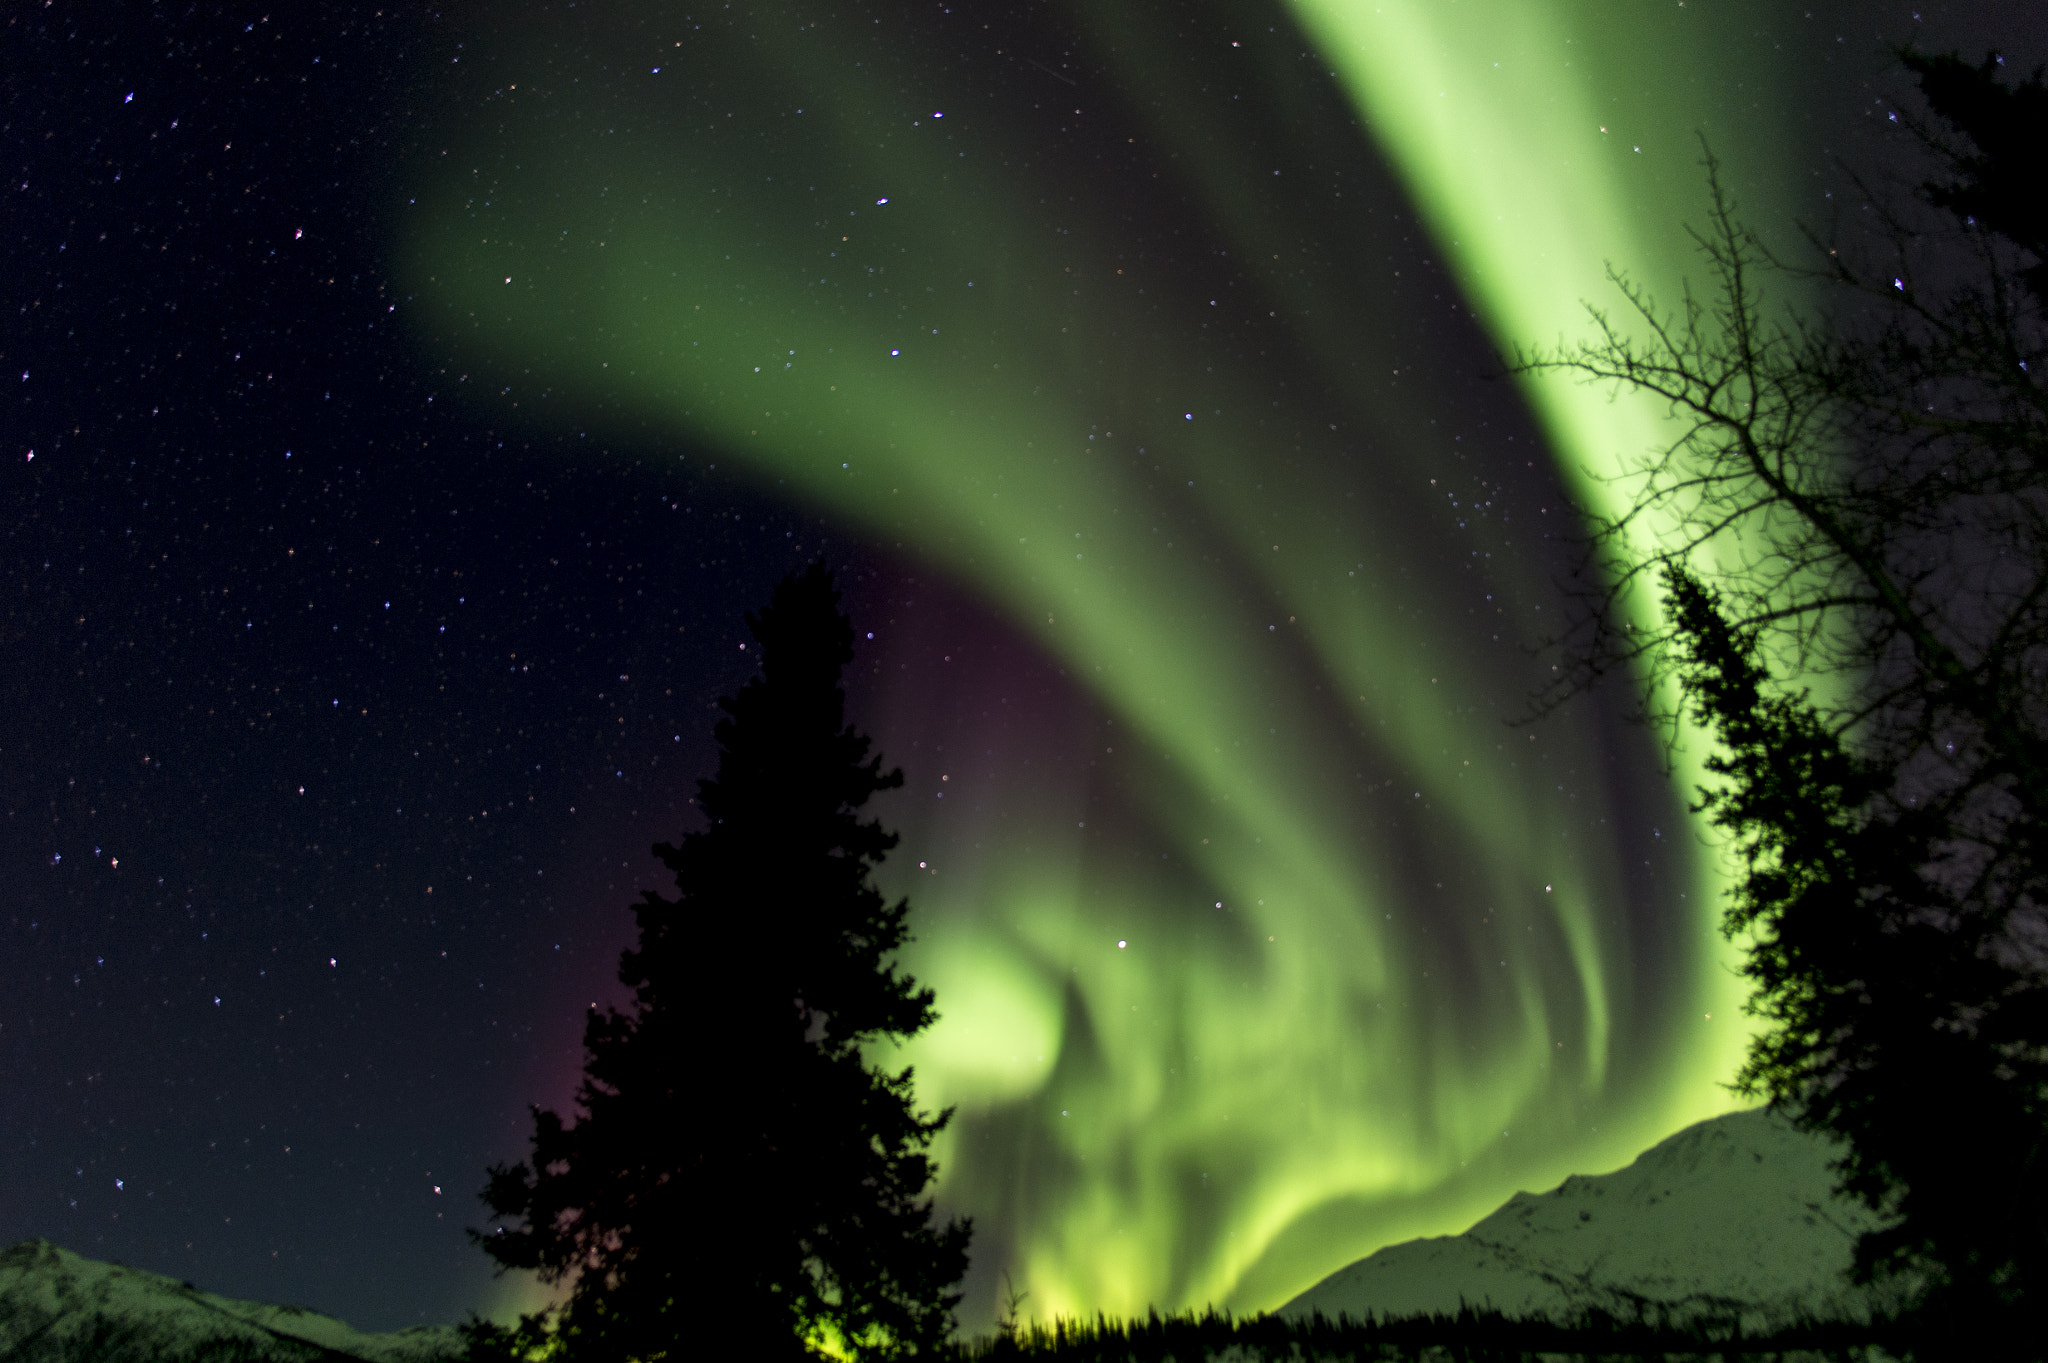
(1309, 1056)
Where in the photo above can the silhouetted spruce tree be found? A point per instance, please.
(1859, 504)
(739, 1175)
(1886, 1020)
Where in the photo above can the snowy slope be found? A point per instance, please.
(1733, 1215)
(58, 1307)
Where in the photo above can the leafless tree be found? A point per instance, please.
(1839, 563)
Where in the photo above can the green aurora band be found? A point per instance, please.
(1294, 1060)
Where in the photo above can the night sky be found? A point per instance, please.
(403, 410)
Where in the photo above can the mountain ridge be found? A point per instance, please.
(61, 1307)
(1735, 1217)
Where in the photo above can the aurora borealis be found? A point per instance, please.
(1323, 954)
(409, 407)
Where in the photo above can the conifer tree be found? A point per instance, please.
(738, 1169)
(1850, 534)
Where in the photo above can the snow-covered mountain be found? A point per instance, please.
(1732, 1216)
(58, 1307)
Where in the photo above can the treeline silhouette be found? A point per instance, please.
(1469, 1336)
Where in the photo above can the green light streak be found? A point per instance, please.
(1519, 132)
(1247, 1096)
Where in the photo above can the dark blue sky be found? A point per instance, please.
(337, 703)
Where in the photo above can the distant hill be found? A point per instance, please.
(1730, 1217)
(58, 1307)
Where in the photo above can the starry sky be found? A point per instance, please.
(403, 408)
